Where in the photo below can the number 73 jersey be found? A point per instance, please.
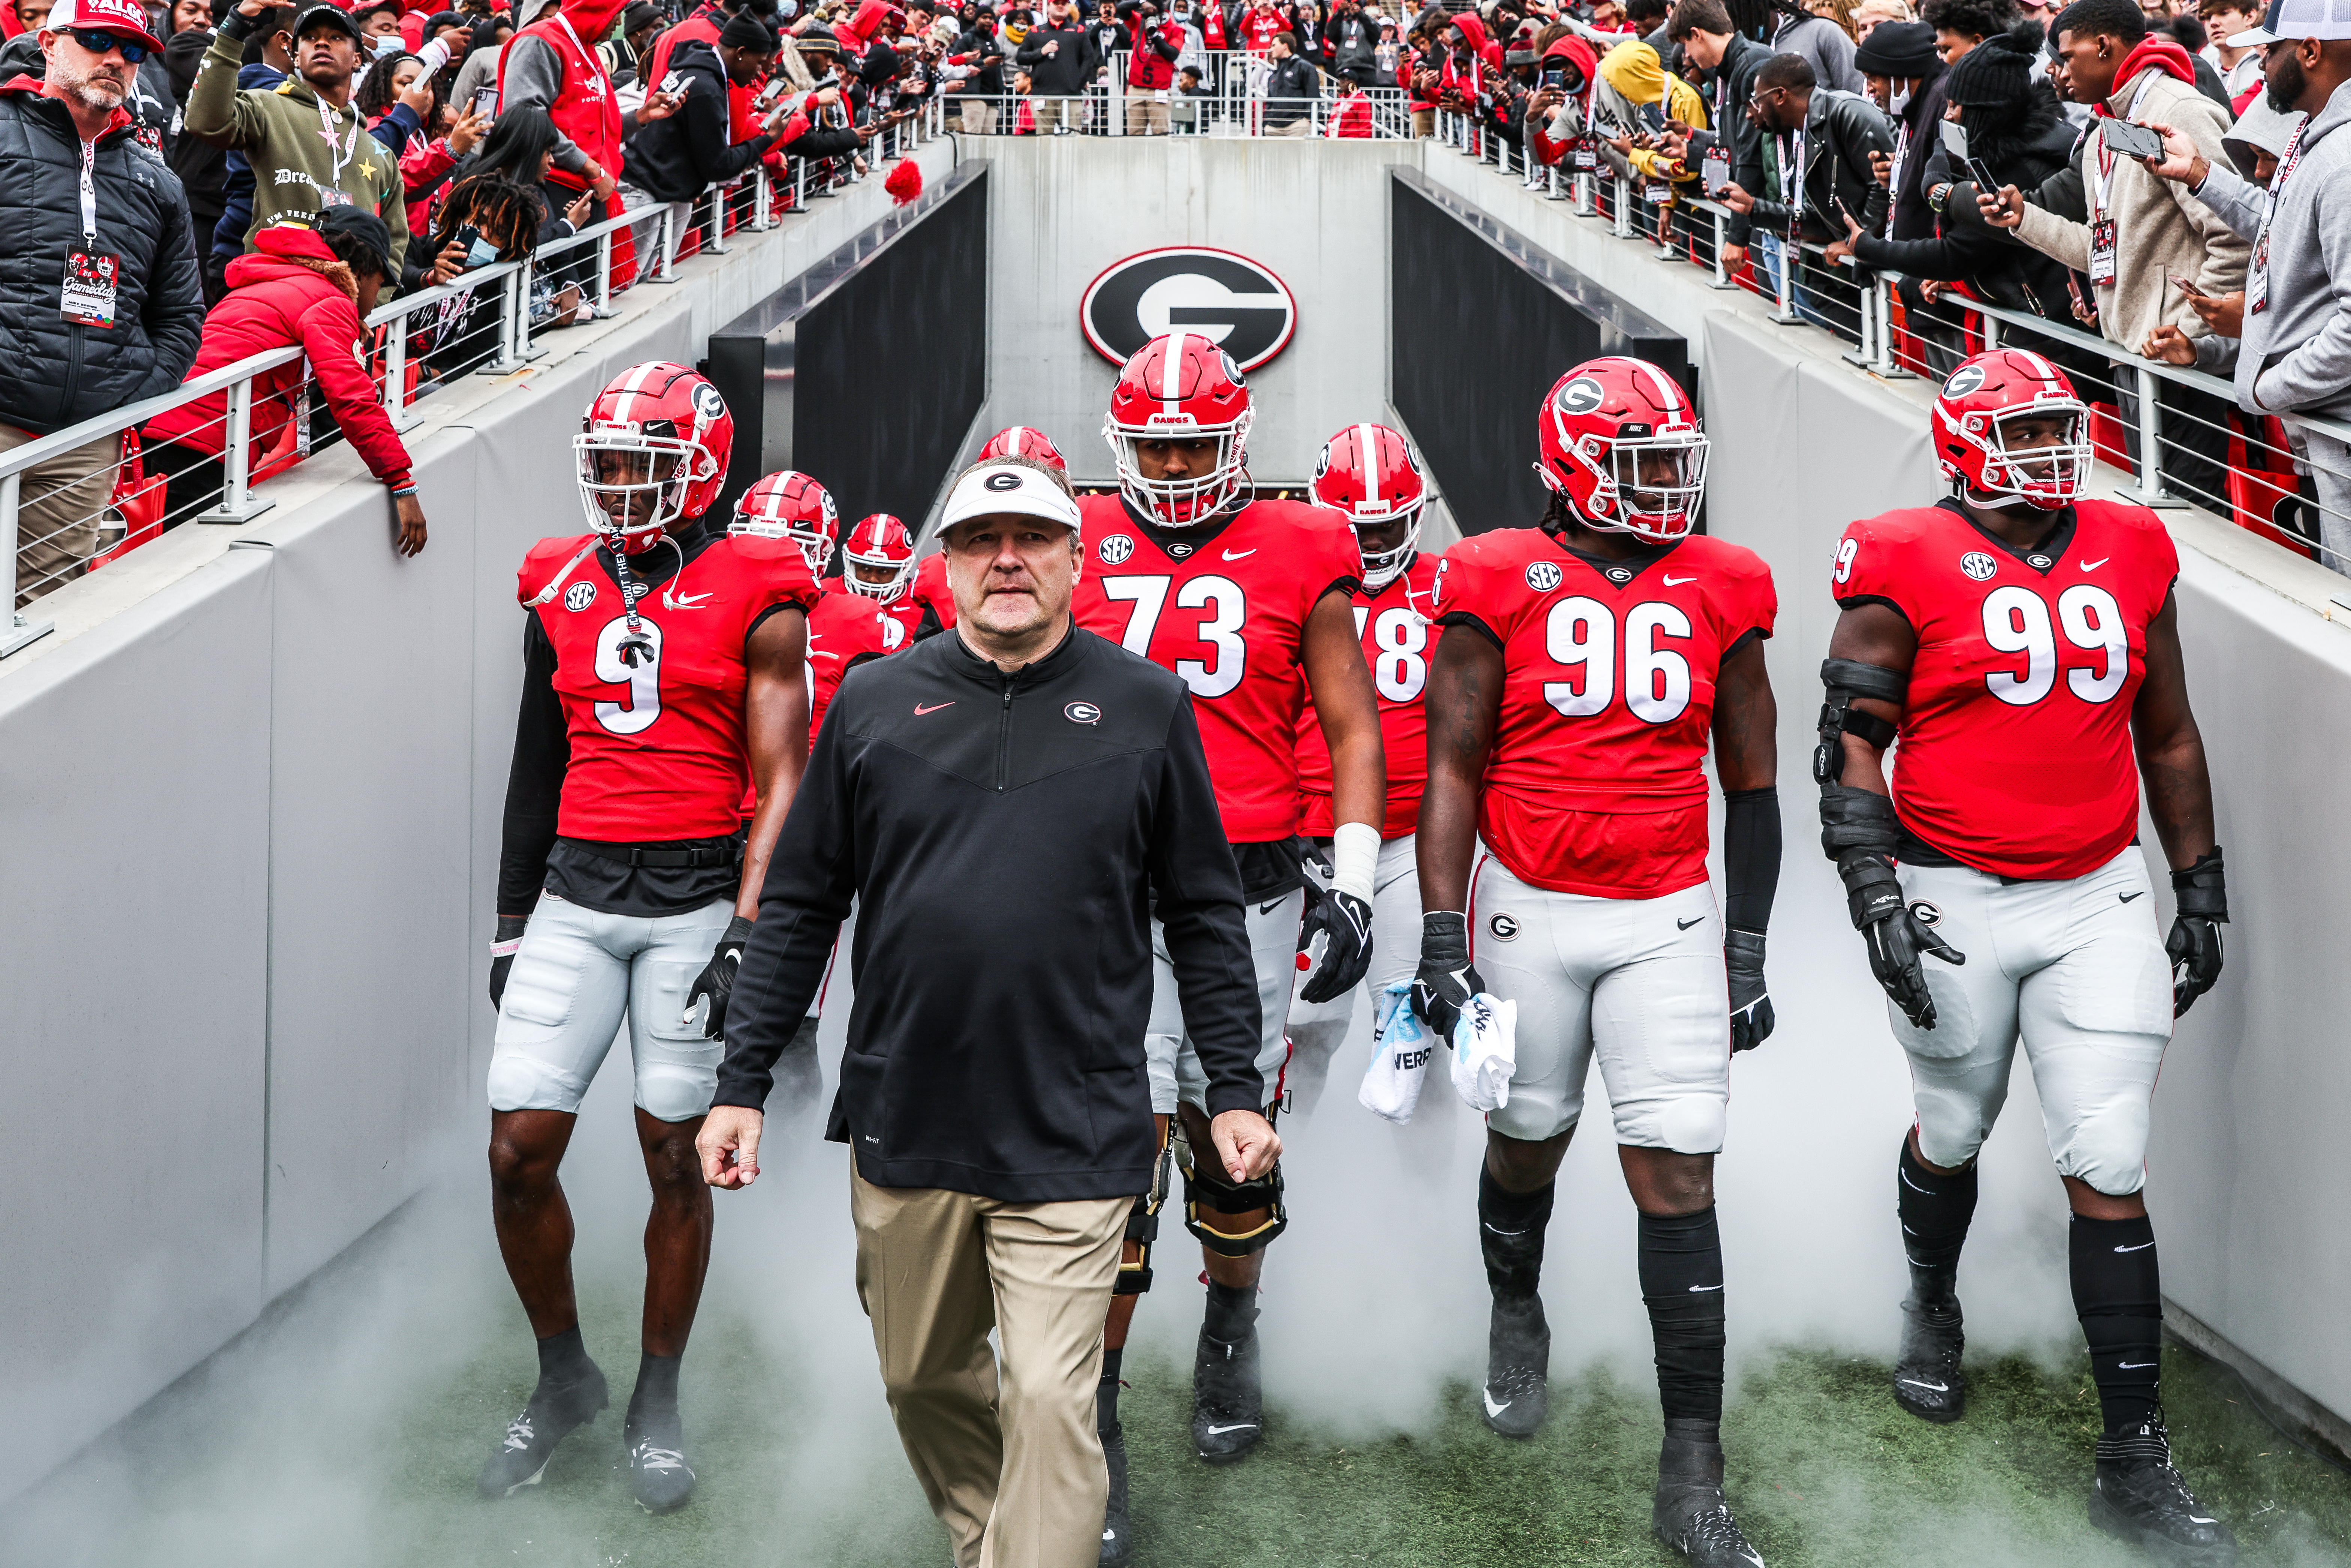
(1596, 782)
(1224, 607)
(2014, 754)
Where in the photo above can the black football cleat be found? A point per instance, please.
(659, 1476)
(1118, 1532)
(1927, 1381)
(1689, 1516)
(2139, 1497)
(1227, 1401)
(552, 1415)
(1516, 1396)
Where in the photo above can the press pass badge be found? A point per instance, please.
(2101, 251)
(1586, 156)
(88, 300)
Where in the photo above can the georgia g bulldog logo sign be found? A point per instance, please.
(1235, 303)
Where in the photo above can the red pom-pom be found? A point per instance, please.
(905, 181)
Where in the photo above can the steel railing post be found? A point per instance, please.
(395, 374)
(604, 273)
(714, 242)
(1623, 223)
(238, 503)
(2148, 488)
(18, 630)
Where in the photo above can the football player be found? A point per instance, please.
(2017, 643)
(1368, 474)
(662, 666)
(1586, 664)
(1250, 601)
(877, 562)
(845, 630)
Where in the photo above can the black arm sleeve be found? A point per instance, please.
(1750, 857)
(1198, 892)
(811, 881)
(535, 782)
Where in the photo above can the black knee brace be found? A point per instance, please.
(1204, 1187)
(1143, 1230)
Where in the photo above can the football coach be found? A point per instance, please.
(1009, 804)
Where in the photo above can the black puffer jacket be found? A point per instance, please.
(54, 373)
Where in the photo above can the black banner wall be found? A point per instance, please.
(868, 370)
(1484, 324)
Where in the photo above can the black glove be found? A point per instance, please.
(1345, 921)
(509, 934)
(1751, 1000)
(716, 981)
(2194, 944)
(1446, 981)
(1896, 938)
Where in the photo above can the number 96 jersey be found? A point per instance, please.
(2014, 754)
(1224, 607)
(1596, 784)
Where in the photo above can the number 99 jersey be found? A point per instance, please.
(2014, 753)
(1596, 784)
(1224, 607)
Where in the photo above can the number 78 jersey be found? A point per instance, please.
(2014, 755)
(1596, 782)
(1225, 609)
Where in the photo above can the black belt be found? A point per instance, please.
(725, 853)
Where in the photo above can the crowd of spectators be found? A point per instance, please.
(188, 183)
(182, 183)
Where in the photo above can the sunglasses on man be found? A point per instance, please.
(97, 41)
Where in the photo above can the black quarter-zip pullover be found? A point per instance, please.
(1007, 840)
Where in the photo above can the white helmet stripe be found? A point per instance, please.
(630, 389)
(1367, 456)
(1669, 391)
(1171, 368)
(1014, 449)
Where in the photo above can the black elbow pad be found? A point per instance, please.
(1846, 680)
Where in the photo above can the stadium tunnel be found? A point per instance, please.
(250, 796)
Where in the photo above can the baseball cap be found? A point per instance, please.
(323, 14)
(127, 18)
(996, 488)
(2298, 19)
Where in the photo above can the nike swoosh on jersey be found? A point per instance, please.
(1236, 554)
(1269, 908)
(920, 709)
(1685, 924)
(690, 600)
(1677, 582)
(2093, 565)
(2126, 897)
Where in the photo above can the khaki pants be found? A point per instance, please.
(1424, 122)
(1052, 112)
(1008, 1457)
(1145, 114)
(978, 118)
(1295, 127)
(59, 509)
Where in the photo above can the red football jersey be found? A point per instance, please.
(1399, 637)
(1596, 784)
(2014, 753)
(1228, 614)
(657, 749)
(931, 587)
(843, 630)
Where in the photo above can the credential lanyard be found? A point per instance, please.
(89, 191)
(343, 153)
(2105, 162)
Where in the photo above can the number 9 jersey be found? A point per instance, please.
(2014, 754)
(1596, 784)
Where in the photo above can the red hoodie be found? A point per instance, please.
(1578, 54)
(2159, 51)
(288, 290)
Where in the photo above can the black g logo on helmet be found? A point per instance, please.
(1964, 380)
(1580, 395)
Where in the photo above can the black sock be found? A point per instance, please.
(2119, 1299)
(1681, 1280)
(563, 1359)
(1232, 1312)
(1510, 1227)
(1936, 1211)
(1107, 1392)
(656, 1394)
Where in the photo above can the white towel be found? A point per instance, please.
(1401, 1049)
(1485, 1051)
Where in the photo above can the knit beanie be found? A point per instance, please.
(1898, 49)
(1997, 71)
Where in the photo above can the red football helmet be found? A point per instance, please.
(880, 543)
(1621, 442)
(1180, 386)
(1368, 473)
(1021, 440)
(1970, 422)
(789, 505)
(652, 450)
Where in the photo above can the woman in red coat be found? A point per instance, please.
(304, 286)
